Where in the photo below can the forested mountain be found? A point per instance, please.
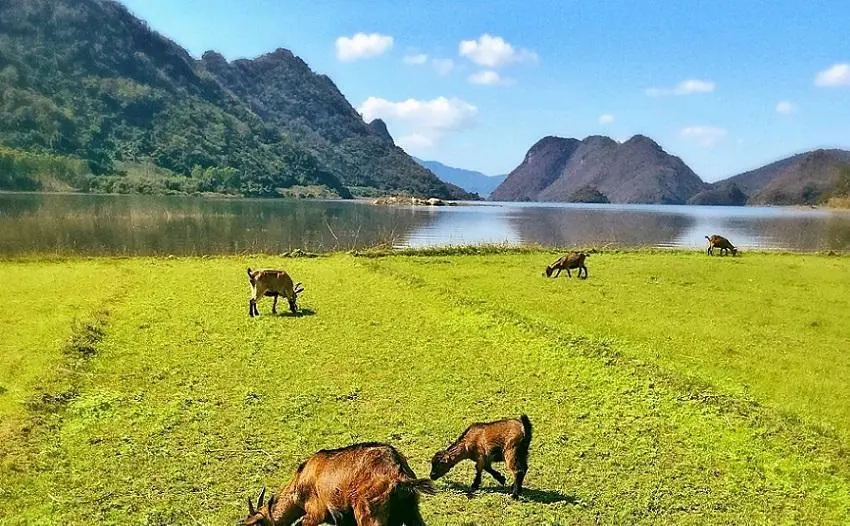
(806, 178)
(85, 80)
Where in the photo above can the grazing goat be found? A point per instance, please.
(270, 282)
(501, 441)
(722, 243)
(368, 484)
(571, 260)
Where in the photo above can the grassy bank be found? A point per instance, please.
(666, 388)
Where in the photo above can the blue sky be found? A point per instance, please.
(727, 85)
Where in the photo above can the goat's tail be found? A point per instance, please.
(526, 440)
(708, 238)
(250, 276)
(414, 486)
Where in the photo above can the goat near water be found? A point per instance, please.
(571, 260)
(722, 243)
(274, 283)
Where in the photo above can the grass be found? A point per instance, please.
(139, 391)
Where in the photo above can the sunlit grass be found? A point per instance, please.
(642, 413)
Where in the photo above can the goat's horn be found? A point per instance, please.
(251, 506)
(260, 500)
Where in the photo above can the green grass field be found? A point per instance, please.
(667, 388)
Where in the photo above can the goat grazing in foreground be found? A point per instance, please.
(501, 441)
(270, 282)
(722, 243)
(368, 484)
(571, 260)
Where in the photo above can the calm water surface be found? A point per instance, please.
(138, 225)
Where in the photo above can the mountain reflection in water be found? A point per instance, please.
(150, 225)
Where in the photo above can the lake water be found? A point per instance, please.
(144, 225)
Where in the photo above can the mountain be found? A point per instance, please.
(806, 178)
(469, 180)
(86, 80)
(598, 169)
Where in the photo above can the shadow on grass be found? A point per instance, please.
(540, 496)
(299, 313)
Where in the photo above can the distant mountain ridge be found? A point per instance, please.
(805, 178)
(85, 79)
(469, 180)
(599, 168)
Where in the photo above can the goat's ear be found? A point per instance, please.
(270, 504)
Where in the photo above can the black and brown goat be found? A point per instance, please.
(571, 260)
(722, 243)
(501, 441)
(274, 283)
(368, 484)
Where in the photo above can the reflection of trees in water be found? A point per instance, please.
(88, 224)
(585, 227)
(157, 225)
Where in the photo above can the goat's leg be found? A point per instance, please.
(479, 468)
(251, 308)
(559, 272)
(585, 271)
(413, 517)
(314, 514)
(518, 464)
(519, 476)
(568, 273)
(274, 305)
(496, 475)
(365, 516)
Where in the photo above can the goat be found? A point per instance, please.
(571, 260)
(484, 443)
(270, 282)
(722, 243)
(367, 484)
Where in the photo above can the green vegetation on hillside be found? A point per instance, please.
(667, 388)
(87, 80)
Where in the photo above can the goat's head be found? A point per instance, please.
(549, 270)
(261, 515)
(439, 465)
(296, 290)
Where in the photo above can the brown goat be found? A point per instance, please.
(571, 260)
(501, 441)
(270, 282)
(368, 484)
(722, 243)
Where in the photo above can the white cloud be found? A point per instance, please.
(362, 46)
(785, 107)
(606, 119)
(417, 59)
(415, 141)
(706, 136)
(443, 66)
(420, 123)
(837, 75)
(494, 52)
(489, 77)
(686, 87)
